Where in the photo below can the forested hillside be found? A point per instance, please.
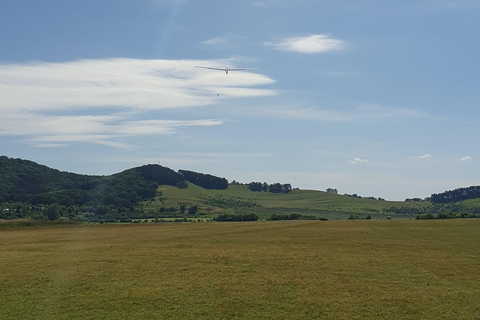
(456, 195)
(26, 182)
(206, 181)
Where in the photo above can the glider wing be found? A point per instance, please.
(222, 69)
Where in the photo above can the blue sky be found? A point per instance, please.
(378, 98)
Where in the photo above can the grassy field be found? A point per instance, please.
(260, 270)
(238, 199)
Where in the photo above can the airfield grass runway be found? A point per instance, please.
(259, 270)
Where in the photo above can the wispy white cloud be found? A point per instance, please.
(38, 99)
(55, 131)
(425, 156)
(51, 145)
(358, 161)
(315, 43)
(225, 41)
(65, 140)
(216, 40)
(466, 159)
(139, 84)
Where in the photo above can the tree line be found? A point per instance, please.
(456, 195)
(437, 210)
(205, 181)
(273, 188)
(237, 217)
(360, 197)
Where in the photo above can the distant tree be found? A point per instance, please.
(53, 212)
(101, 210)
(192, 209)
(182, 209)
(255, 186)
(286, 188)
(111, 199)
(279, 188)
(265, 187)
(275, 188)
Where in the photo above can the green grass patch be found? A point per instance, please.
(22, 223)
(239, 199)
(252, 270)
(161, 220)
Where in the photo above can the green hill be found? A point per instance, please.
(28, 182)
(239, 199)
(30, 190)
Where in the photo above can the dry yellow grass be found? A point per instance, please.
(261, 270)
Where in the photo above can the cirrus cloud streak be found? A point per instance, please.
(59, 131)
(132, 83)
(39, 98)
(315, 43)
(466, 159)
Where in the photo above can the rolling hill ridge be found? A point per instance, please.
(31, 190)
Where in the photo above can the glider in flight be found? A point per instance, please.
(225, 69)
